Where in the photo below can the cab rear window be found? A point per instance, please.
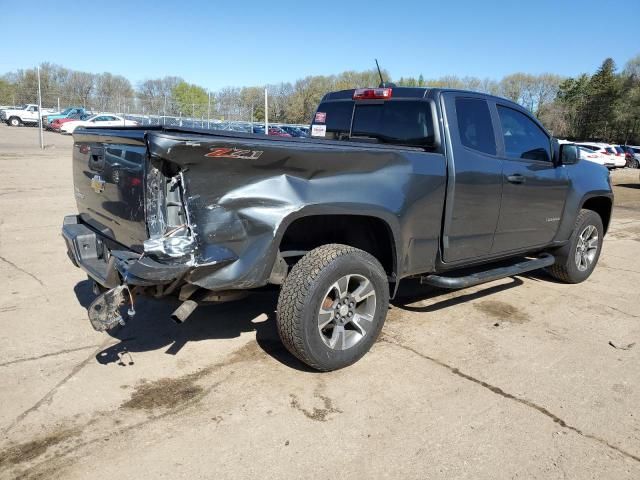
(395, 122)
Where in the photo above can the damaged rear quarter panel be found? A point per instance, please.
(244, 205)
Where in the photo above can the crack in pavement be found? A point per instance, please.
(45, 355)
(20, 269)
(47, 397)
(65, 453)
(509, 396)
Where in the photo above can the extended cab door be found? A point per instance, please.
(31, 113)
(474, 183)
(534, 188)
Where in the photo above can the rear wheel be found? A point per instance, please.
(576, 261)
(14, 122)
(332, 306)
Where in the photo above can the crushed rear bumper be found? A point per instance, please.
(110, 264)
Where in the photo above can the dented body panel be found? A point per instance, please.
(240, 208)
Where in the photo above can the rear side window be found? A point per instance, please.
(337, 118)
(474, 125)
(399, 122)
(522, 137)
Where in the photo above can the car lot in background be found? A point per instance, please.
(56, 124)
(604, 149)
(293, 131)
(276, 131)
(100, 120)
(595, 157)
(66, 113)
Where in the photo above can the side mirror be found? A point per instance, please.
(569, 154)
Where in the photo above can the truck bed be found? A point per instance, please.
(238, 192)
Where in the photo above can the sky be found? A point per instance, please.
(217, 44)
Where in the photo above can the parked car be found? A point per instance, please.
(293, 131)
(635, 150)
(595, 157)
(618, 155)
(278, 132)
(337, 224)
(629, 155)
(56, 124)
(604, 149)
(100, 120)
(24, 115)
(66, 113)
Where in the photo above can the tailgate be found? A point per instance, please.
(109, 179)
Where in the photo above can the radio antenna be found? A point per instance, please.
(382, 84)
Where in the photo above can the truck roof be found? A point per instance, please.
(414, 92)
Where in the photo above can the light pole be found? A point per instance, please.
(40, 111)
(266, 112)
(208, 107)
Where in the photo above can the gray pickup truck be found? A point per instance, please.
(451, 187)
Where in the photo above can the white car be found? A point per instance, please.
(618, 157)
(595, 157)
(605, 149)
(101, 120)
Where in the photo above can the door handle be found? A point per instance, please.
(517, 178)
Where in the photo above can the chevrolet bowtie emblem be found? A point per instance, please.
(97, 183)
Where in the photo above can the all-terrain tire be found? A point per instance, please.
(305, 291)
(567, 268)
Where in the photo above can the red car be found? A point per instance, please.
(57, 123)
(278, 132)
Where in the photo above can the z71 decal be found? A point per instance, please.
(235, 153)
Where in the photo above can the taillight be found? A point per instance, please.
(84, 149)
(372, 93)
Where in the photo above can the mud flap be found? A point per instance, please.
(105, 311)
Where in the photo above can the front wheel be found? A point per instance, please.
(14, 122)
(332, 306)
(576, 261)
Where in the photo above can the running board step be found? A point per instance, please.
(544, 260)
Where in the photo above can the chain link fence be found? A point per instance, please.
(163, 111)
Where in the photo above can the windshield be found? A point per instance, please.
(66, 111)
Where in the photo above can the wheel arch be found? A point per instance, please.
(374, 233)
(602, 205)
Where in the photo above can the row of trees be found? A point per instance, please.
(602, 106)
